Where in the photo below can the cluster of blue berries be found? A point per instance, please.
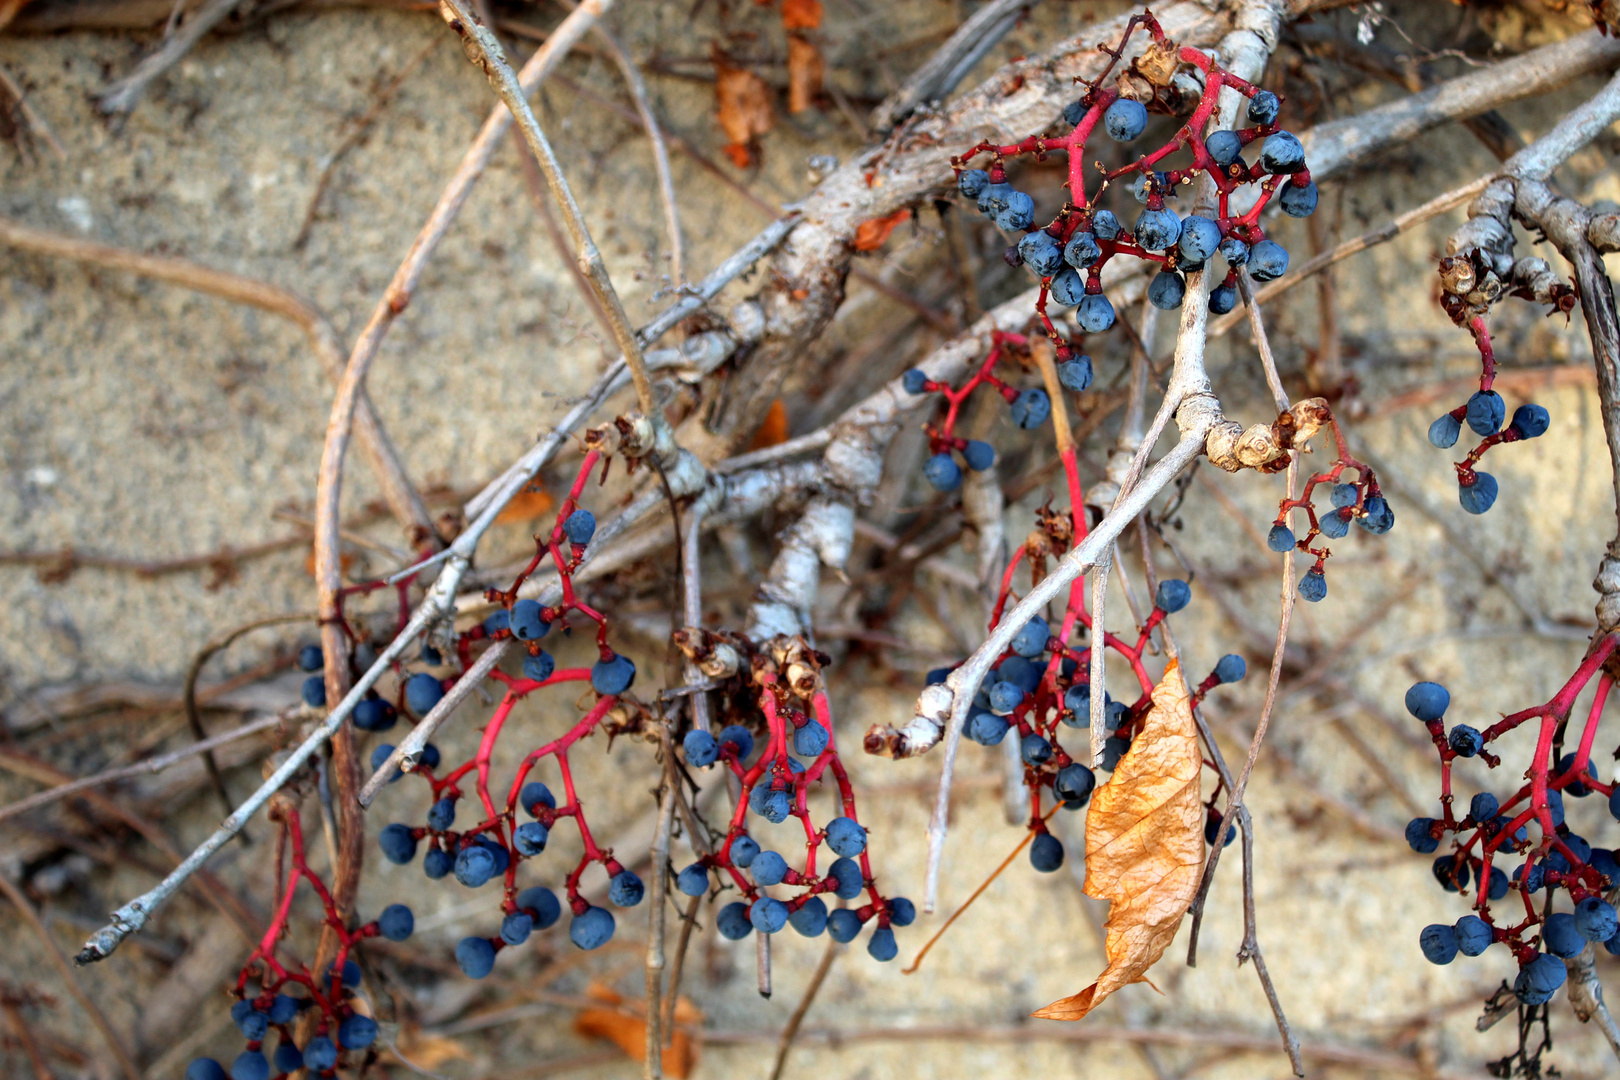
(1360, 502)
(1484, 413)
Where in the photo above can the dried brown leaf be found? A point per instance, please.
(1144, 845)
(873, 234)
(629, 1033)
(745, 108)
(805, 72)
(801, 14)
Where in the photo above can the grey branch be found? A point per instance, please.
(939, 75)
(121, 96)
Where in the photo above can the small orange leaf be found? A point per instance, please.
(773, 430)
(871, 235)
(1144, 845)
(801, 14)
(343, 563)
(526, 505)
(805, 71)
(745, 108)
(629, 1033)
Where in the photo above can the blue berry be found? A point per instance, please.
(1263, 107)
(1538, 980)
(1031, 639)
(1075, 374)
(971, 183)
(1474, 935)
(1094, 313)
(1577, 844)
(846, 837)
(768, 915)
(497, 621)
(516, 928)
(1034, 749)
(732, 922)
(1200, 237)
(374, 714)
(1555, 807)
(498, 852)
(429, 758)
(538, 666)
(811, 917)
(1343, 495)
(357, 1032)
(250, 1065)
(1074, 112)
(1067, 288)
(942, 473)
(1480, 496)
(310, 658)
(1212, 829)
(1466, 741)
(592, 929)
(1231, 668)
(1595, 919)
(1538, 877)
(1282, 154)
(1166, 290)
(986, 729)
(1074, 784)
(1005, 697)
(579, 527)
(1298, 201)
(1046, 852)
(768, 868)
(1560, 937)
(320, 1053)
(810, 740)
(1172, 595)
(398, 843)
(475, 865)
(541, 904)
(437, 863)
(902, 912)
(351, 974)
(739, 738)
(1280, 539)
(206, 1069)
(744, 850)
(993, 198)
(1018, 214)
(1379, 517)
(250, 1022)
(536, 794)
(1313, 586)
(1444, 431)
(287, 1058)
(693, 881)
(626, 889)
(1158, 230)
(530, 838)
(1031, 408)
(1530, 421)
(395, 923)
(1603, 861)
(1042, 254)
(1575, 787)
(1451, 873)
(1113, 749)
(613, 675)
(1222, 298)
(1439, 943)
(701, 749)
(1419, 836)
(1125, 119)
(1234, 251)
(1115, 713)
(431, 657)
(1427, 701)
(882, 946)
(1483, 807)
(1104, 225)
(843, 925)
(1486, 410)
(422, 692)
(846, 873)
(1224, 146)
(979, 457)
(1498, 886)
(283, 1008)
(1334, 524)
(379, 755)
(529, 621)
(1081, 251)
(1021, 672)
(914, 381)
(476, 956)
(772, 805)
(314, 691)
(1268, 260)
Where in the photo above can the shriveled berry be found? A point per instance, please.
(1280, 539)
(810, 740)
(1439, 943)
(914, 380)
(1480, 496)
(1444, 431)
(1268, 260)
(1595, 919)
(1105, 225)
(1234, 251)
(1157, 230)
(1539, 979)
(972, 182)
(1483, 807)
(538, 666)
(1486, 410)
(1420, 837)
(1282, 153)
(1451, 873)
(1378, 517)
(1067, 287)
(1094, 313)
(1474, 935)
(1081, 250)
(1018, 213)
(1263, 107)
(1465, 741)
(1334, 524)
(700, 748)
(1313, 586)
(1031, 408)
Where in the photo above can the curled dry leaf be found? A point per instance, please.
(873, 234)
(745, 108)
(773, 430)
(1144, 845)
(805, 72)
(629, 1033)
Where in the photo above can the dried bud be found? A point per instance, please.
(1158, 62)
(1457, 274)
(1305, 419)
(1221, 445)
(722, 662)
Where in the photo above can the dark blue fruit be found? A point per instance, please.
(1263, 107)
(398, 843)
(915, 380)
(1222, 298)
(972, 182)
(395, 923)
(1538, 980)
(846, 837)
(1075, 374)
(1224, 146)
(1231, 668)
(541, 903)
(422, 692)
(1378, 518)
(847, 874)
(1042, 254)
(310, 659)
(1234, 251)
(580, 526)
(1074, 784)
(701, 749)
(1094, 313)
(475, 865)
(1046, 852)
(1282, 153)
(1067, 287)
(1450, 873)
(811, 917)
(626, 889)
(528, 621)
(768, 915)
(1172, 595)
(732, 922)
(516, 928)
(1480, 496)
(250, 1065)
(1444, 431)
(986, 729)
(942, 472)
(1483, 807)
(1474, 935)
(1486, 410)
(1530, 421)
(1105, 225)
(1419, 835)
(530, 838)
(769, 868)
(981, 455)
(593, 929)
(476, 957)
(314, 691)
(1313, 586)
(1200, 237)
(1125, 119)
(1268, 260)
(882, 946)
(538, 666)
(535, 795)
(1427, 701)
(1031, 408)
(320, 1053)
(739, 738)
(437, 863)
(1158, 230)
(1595, 919)
(1560, 937)
(1466, 741)
(1166, 290)
(1298, 201)
(613, 675)
(1034, 749)
(810, 740)
(357, 1032)
(1081, 250)
(843, 925)
(1280, 539)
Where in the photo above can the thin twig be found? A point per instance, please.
(121, 96)
(789, 1033)
(114, 1043)
(36, 123)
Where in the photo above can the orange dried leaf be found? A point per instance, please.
(871, 235)
(773, 430)
(629, 1033)
(344, 561)
(1144, 845)
(745, 108)
(805, 71)
(801, 14)
(526, 505)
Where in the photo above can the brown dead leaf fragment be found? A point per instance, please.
(801, 14)
(745, 108)
(1144, 845)
(805, 72)
(873, 234)
(629, 1033)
